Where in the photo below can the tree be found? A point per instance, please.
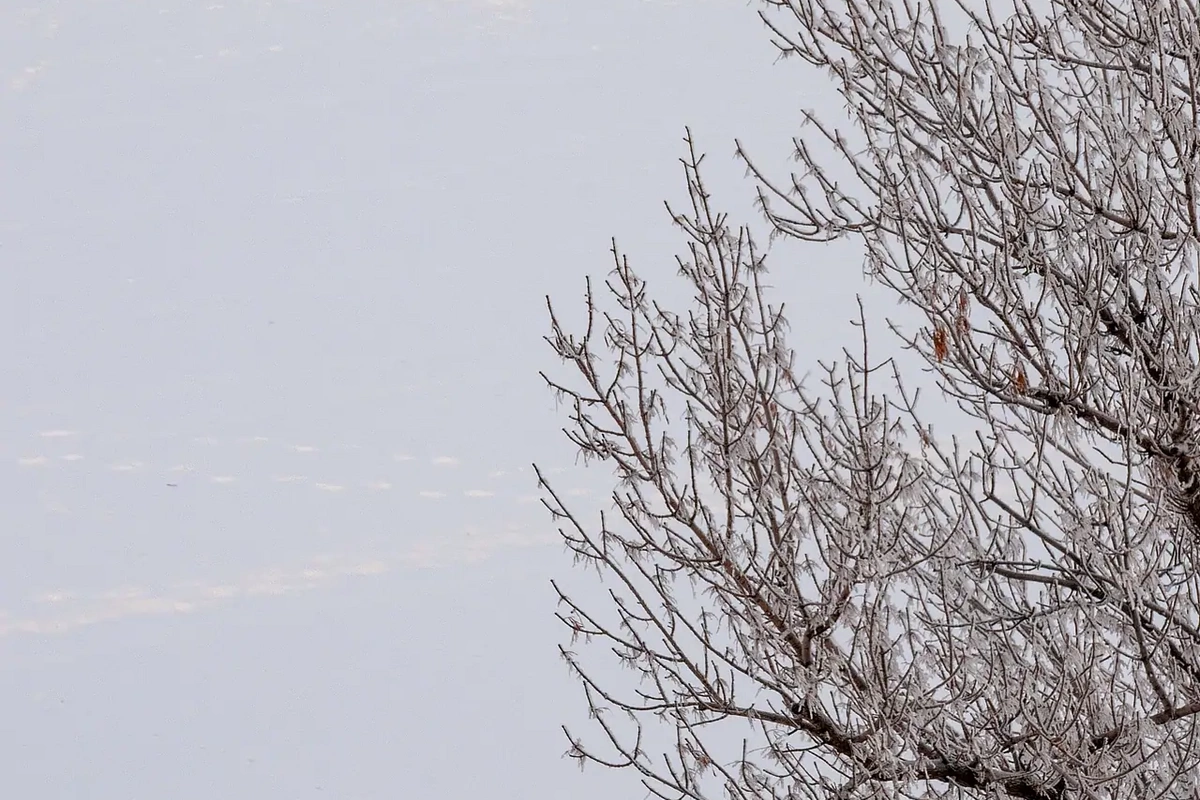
(819, 594)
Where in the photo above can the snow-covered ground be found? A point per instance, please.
(120, 526)
(272, 280)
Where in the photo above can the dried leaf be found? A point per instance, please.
(941, 346)
(1020, 380)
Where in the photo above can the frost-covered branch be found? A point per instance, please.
(818, 596)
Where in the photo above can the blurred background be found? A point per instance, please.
(273, 280)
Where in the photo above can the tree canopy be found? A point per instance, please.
(821, 596)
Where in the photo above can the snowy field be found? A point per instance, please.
(273, 280)
(113, 511)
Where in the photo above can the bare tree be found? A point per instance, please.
(818, 594)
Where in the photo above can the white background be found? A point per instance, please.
(291, 257)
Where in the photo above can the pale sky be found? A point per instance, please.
(273, 280)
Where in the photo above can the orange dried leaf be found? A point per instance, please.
(941, 346)
(1020, 381)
